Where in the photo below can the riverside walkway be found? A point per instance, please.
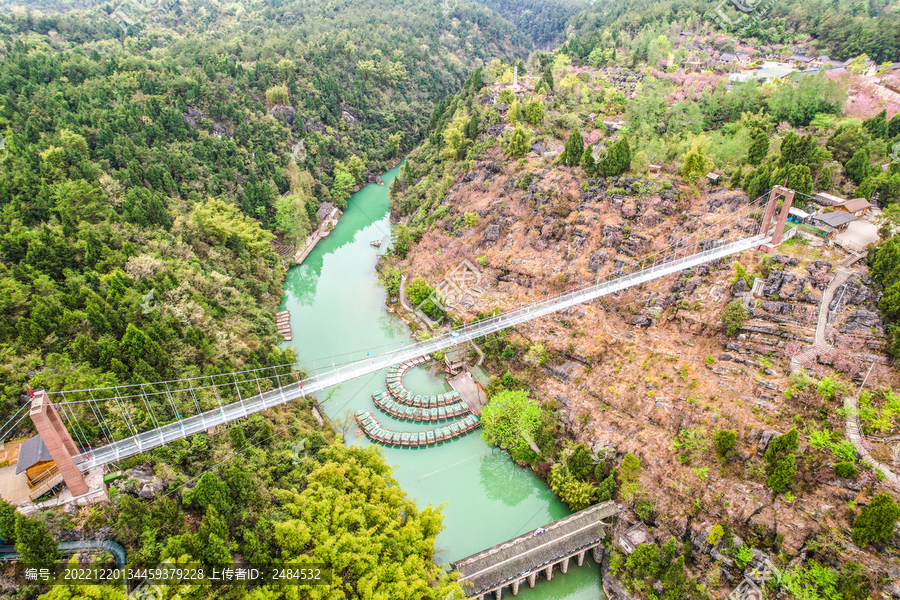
(521, 559)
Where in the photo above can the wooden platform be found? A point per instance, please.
(467, 388)
(414, 439)
(283, 322)
(418, 413)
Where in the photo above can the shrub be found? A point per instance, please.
(725, 441)
(846, 470)
(734, 316)
(715, 534)
(782, 475)
(844, 450)
(828, 388)
(575, 493)
(819, 439)
(579, 463)
(743, 556)
(536, 355)
(876, 521)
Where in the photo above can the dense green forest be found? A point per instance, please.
(842, 29)
(542, 21)
(264, 504)
(163, 163)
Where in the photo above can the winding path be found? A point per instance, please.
(808, 356)
(851, 406)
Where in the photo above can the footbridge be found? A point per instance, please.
(522, 559)
(136, 418)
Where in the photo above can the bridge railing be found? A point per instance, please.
(246, 406)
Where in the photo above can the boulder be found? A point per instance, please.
(595, 263)
(641, 321)
(492, 234)
(861, 319)
(151, 490)
(765, 439)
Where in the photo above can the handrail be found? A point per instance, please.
(248, 405)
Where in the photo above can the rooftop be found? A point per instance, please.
(545, 545)
(835, 219)
(855, 204)
(32, 452)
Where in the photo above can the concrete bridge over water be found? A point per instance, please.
(522, 559)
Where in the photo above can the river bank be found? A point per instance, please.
(336, 305)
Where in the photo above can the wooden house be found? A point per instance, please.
(856, 207)
(35, 460)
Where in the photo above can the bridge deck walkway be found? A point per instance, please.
(202, 422)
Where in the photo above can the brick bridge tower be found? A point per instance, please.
(776, 193)
(58, 441)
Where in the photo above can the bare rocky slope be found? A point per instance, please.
(632, 372)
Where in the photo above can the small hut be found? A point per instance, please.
(35, 460)
(636, 535)
(856, 207)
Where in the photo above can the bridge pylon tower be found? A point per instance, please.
(58, 441)
(776, 193)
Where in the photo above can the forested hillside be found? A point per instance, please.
(542, 21)
(842, 30)
(618, 149)
(163, 162)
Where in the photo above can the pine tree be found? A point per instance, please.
(548, 78)
(858, 167)
(894, 126)
(737, 178)
(7, 522)
(877, 125)
(472, 127)
(573, 150)
(579, 462)
(759, 148)
(606, 490)
(587, 161)
(800, 179)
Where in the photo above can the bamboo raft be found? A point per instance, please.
(414, 413)
(283, 322)
(400, 394)
(403, 396)
(414, 439)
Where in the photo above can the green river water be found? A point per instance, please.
(337, 305)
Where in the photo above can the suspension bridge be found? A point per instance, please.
(133, 419)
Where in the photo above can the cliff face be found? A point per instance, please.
(634, 371)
